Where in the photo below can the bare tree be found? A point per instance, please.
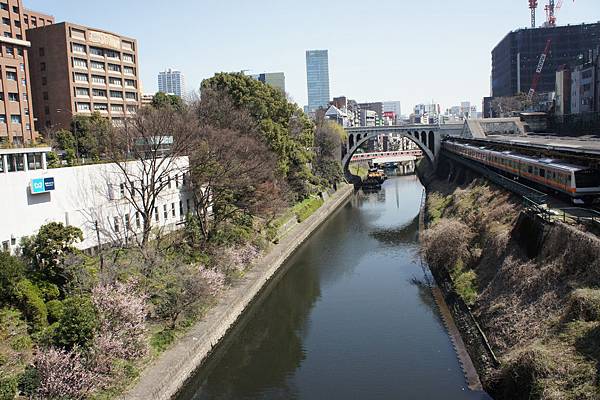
(150, 151)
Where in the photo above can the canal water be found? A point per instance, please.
(352, 318)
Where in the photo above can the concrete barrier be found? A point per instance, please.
(169, 372)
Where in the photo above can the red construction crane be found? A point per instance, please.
(551, 9)
(538, 70)
(533, 6)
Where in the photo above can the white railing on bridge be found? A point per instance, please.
(386, 154)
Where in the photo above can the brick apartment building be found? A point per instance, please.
(79, 70)
(16, 109)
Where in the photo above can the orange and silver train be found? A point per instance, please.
(580, 183)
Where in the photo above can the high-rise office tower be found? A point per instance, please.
(317, 78)
(16, 105)
(172, 82)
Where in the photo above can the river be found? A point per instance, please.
(352, 318)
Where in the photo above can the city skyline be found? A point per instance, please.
(271, 43)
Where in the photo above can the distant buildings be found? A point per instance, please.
(16, 105)
(171, 82)
(317, 78)
(395, 107)
(426, 114)
(516, 57)
(80, 70)
(275, 79)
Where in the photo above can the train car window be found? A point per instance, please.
(587, 178)
(530, 169)
(542, 172)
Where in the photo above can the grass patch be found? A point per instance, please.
(584, 305)
(465, 282)
(436, 205)
(307, 208)
(161, 340)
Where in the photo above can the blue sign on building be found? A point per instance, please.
(42, 185)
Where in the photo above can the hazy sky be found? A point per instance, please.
(411, 51)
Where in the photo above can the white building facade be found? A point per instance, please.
(171, 82)
(91, 198)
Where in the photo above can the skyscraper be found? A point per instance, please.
(317, 78)
(172, 82)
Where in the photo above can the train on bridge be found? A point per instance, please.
(386, 154)
(580, 183)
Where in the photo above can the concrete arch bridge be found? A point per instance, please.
(427, 137)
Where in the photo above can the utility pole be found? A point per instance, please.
(99, 247)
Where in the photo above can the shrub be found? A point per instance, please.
(447, 242)
(55, 310)
(78, 323)
(29, 298)
(8, 387)
(465, 282)
(584, 305)
(161, 340)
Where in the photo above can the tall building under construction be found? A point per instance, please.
(516, 57)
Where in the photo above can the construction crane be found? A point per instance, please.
(551, 9)
(538, 70)
(533, 6)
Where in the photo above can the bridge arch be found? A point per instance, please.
(351, 141)
(415, 137)
(431, 141)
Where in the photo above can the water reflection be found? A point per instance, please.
(352, 317)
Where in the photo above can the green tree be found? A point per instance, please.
(88, 131)
(77, 324)
(12, 270)
(30, 301)
(162, 100)
(48, 250)
(286, 129)
(66, 141)
(328, 144)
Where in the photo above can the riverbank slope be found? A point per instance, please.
(164, 378)
(532, 287)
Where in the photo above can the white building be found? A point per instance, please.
(171, 82)
(90, 197)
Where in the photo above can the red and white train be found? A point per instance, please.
(581, 183)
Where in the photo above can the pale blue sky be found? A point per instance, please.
(412, 51)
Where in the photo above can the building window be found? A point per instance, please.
(15, 9)
(99, 79)
(181, 209)
(26, 111)
(22, 67)
(20, 52)
(112, 54)
(3, 118)
(96, 51)
(132, 109)
(28, 126)
(79, 63)
(131, 96)
(156, 217)
(127, 222)
(127, 45)
(97, 65)
(117, 226)
(1, 96)
(115, 94)
(24, 82)
(10, 50)
(129, 70)
(15, 119)
(25, 98)
(80, 77)
(128, 58)
(100, 107)
(130, 83)
(83, 92)
(77, 34)
(6, 21)
(173, 212)
(165, 212)
(83, 106)
(47, 110)
(4, 6)
(115, 81)
(99, 92)
(44, 81)
(13, 97)
(42, 52)
(116, 108)
(7, 34)
(45, 95)
(138, 220)
(78, 48)
(114, 68)
(11, 75)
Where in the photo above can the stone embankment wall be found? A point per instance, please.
(167, 375)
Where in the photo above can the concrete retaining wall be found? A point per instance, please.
(164, 378)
